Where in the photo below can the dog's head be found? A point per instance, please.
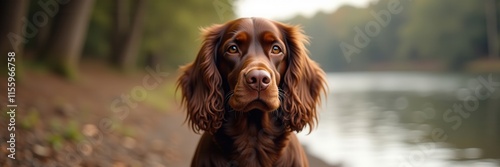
(258, 64)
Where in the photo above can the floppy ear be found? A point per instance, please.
(303, 83)
(201, 85)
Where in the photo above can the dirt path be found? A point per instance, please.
(88, 123)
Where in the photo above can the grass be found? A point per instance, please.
(56, 141)
(70, 131)
(31, 119)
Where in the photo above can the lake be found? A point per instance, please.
(405, 119)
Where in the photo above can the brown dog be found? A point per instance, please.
(251, 85)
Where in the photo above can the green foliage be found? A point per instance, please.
(452, 32)
(98, 43)
(68, 71)
(56, 141)
(171, 29)
(446, 30)
(70, 131)
(29, 121)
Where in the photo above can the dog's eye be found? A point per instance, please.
(276, 50)
(232, 49)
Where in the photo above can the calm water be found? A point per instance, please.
(408, 120)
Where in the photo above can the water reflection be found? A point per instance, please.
(406, 120)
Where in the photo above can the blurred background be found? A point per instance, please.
(411, 83)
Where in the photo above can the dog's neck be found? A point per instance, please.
(252, 137)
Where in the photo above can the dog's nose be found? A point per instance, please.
(258, 79)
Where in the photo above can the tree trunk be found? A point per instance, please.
(126, 45)
(120, 27)
(491, 24)
(68, 36)
(42, 40)
(11, 38)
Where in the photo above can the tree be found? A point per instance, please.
(126, 42)
(11, 38)
(68, 36)
(172, 30)
(446, 30)
(492, 28)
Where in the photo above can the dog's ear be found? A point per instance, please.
(201, 85)
(303, 83)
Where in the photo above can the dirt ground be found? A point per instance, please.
(104, 118)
